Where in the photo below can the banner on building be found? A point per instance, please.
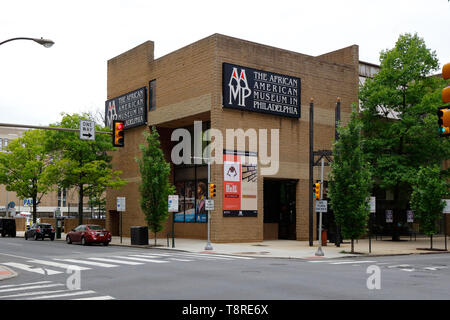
(130, 107)
(254, 90)
(240, 192)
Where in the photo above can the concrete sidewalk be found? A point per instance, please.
(294, 249)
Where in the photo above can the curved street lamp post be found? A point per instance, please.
(45, 42)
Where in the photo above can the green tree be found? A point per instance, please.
(83, 164)
(398, 112)
(349, 181)
(426, 199)
(25, 167)
(155, 187)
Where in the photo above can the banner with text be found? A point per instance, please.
(240, 192)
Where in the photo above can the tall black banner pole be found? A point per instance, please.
(337, 120)
(311, 164)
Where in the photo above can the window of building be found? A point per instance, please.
(151, 95)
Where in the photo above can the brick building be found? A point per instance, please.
(208, 81)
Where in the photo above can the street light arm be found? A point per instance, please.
(45, 42)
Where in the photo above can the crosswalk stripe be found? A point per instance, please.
(145, 255)
(32, 287)
(117, 261)
(31, 294)
(200, 256)
(59, 265)
(92, 263)
(232, 256)
(77, 293)
(140, 259)
(24, 284)
(97, 298)
(324, 261)
(158, 254)
(183, 260)
(26, 267)
(348, 262)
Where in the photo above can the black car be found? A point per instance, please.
(40, 231)
(7, 227)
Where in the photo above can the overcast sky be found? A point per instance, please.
(37, 84)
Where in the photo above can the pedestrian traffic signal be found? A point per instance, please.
(317, 190)
(212, 190)
(118, 133)
(446, 90)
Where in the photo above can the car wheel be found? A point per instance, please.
(83, 241)
(52, 238)
(36, 236)
(25, 236)
(105, 243)
(3, 234)
(68, 240)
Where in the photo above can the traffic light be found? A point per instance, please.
(212, 190)
(317, 190)
(444, 112)
(118, 133)
(446, 90)
(444, 121)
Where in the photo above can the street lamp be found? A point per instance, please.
(45, 42)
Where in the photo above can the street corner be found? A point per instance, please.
(6, 273)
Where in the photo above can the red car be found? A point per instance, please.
(89, 233)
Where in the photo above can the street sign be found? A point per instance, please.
(87, 130)
(173, 203)
(321, 206)
(28, 202)
(120, 203)
(409, 216)
(372, 202)
(209, 205)
(447, 206)
(389, 216)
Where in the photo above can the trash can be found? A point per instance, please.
(139, 235)
(324, 237)
(8, 227)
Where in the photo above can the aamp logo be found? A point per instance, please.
(111, 113)
(239, 89)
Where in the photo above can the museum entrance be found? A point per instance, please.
(280, 209)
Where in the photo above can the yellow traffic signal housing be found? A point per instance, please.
(317, 190)
(444, 121)
(446, 76)
(212, 190)
(118, 133)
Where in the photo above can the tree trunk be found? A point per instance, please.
(155, 239)
(353, 246)
(431, 241)
(80, 204)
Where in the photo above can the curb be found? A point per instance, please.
(7, 273)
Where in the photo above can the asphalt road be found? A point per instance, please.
(124, 273)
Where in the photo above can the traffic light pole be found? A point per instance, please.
(319, 251)
(208, 245)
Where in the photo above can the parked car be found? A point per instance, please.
(89, 233)
(7, 227)
(40, 231)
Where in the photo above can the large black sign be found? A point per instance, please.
(130, 107)
(249, 89)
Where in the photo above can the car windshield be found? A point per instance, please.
(94, 227)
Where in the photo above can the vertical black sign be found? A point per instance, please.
(130, 108)
(254, 90)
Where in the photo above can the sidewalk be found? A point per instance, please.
(293, 248)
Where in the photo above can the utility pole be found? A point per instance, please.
(319, 251)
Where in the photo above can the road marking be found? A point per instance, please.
(141, 259)
(409, 270)
(144, 255)
(182, 260)
(117, 261)
(324, 261)
(348, 262)
(32, 294)
(97, 298)
(199, 256)
(30, 268)
(59, 265)
(232, 257)
(399, 266)
(157, 254)
(24, 284)
(92, 263)
(77, 293)
(32, 287)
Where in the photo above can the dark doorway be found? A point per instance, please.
(280, 206)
